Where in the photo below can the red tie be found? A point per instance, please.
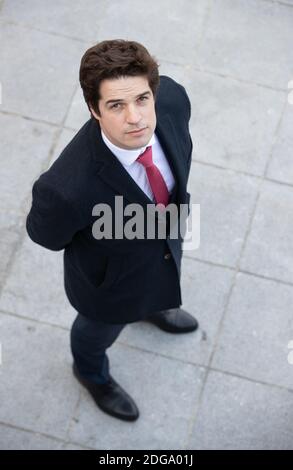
(155, 177)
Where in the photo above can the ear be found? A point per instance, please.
(94, 113)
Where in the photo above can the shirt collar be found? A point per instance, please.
(126, 157)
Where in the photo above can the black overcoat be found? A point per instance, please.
(115, 280)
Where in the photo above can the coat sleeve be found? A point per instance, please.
(186, 97)
(52, 221)
(188, 119)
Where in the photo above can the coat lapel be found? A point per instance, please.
(112, 172)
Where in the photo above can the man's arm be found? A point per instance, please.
(190, 156)
(181, 87)
(51, 222)
(188, 119)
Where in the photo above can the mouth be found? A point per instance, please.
(137, 132)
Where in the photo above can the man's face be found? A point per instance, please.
(127, 111)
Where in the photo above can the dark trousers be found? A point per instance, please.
(89, 340)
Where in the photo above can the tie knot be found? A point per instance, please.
(146, 158)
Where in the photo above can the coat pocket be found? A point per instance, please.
(112, 273)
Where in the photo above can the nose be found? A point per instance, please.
(133, 115)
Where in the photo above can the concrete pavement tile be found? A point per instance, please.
(28, 294)
(78, 113)
(226, 202)
(199, 280)
(162, 28)
(64, 138)
(34, 287)
(8, 241)
(36, 384)
(71, 446)
(251, 41)
(78, 19)
(25, 148)
(44, 68)
(257, 328)
(19, 439)
(232, 124)
(240, 414)
(269, 247)
(165, 392)
(281, 164)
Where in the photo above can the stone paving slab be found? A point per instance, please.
(9, 239)
(13, 438)
(18, 439)
(226, 201)
(249, 41)
(281, 164)
(64, 138)
(42, 293)
(63, 18)
(25, 147)
(43, 83)
(78, 112)
(240, 414)
(161, 28)
(36, 383)
(269, 248)
(233, 123)
(256, 331)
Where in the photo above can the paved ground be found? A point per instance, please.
(228, 385)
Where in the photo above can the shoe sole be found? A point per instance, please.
(171, 330)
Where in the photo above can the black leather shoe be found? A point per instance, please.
(174, 320)
(110, 397)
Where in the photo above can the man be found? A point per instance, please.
(137, 146)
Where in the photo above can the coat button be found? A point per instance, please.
(167, 256)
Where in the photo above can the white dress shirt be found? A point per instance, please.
(136, 170)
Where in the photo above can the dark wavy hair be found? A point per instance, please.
(113, 59)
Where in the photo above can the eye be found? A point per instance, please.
(143, 98)
(115, 105)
